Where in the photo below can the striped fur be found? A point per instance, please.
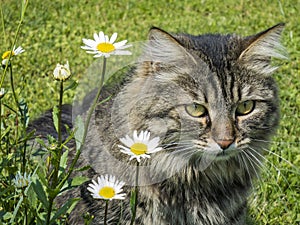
(193, 181)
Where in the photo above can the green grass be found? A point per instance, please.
(53, 30)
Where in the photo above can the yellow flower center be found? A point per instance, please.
(107, 192)
(139, 148)
(106, 47)
(6, 54)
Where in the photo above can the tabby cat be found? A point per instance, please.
(213, 102)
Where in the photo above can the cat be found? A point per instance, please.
(214, 104)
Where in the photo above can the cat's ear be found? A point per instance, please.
(162, 47)
(260, 48)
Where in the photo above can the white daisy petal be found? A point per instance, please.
(21, 181)
(91, 52)
(135, 157)
(141, 146)
(141, 136)
(19, 50)
(89, 43)
(11, 53)
(96, 37)
(117, 52)
(135, 136)
(120, 44)
(128, 153)
(106, 39)
(102, 45)
(122, 47)
(127, 141)
(153, 143)
(113, 38)
(62, 72)
(155, 150)
(146, 156)
(124, 149)
(107, 187)
(101, 37)
(146, 136)
(98, 55)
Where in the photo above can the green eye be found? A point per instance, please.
(245, 108)
(195, 110)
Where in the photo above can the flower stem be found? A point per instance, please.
(135, 195)
(0, 124)
(105, 213)
(22, 117)
(86, 125)
(54, 181)
(49, 210)
(15, 39)
(61, 92)
(25, 207)
(59, 138)
(13, 90)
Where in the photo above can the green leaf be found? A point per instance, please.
(76, 181)
(41, 218)
(55, 117)
(133, 201)
(104, 100)
(70, 137)
(5, 132)
(24, 110)
(79, 132)
(72, 86)
(66, 208)
(16, 210)
(63, 162)
(6, 216)
(84, 168)
(27, 137)
(41, 142)
(40, 192)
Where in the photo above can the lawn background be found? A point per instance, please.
(53, 30)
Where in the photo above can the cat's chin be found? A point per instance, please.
(220, 154)
(227, 154)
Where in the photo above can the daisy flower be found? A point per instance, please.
(62, 72)
(140, 146)
(14, 52)
(107, 188)
(21, 181)
(104, 46)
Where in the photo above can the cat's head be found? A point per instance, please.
(207, 95)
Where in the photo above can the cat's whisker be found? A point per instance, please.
(255, 158)
(280, 157)
(258, 162)
(244, 158)
(185, 151)
(181, 143)
(252, 163)
(276, 168)
(265, 169)
(174, 147)
(275, 142)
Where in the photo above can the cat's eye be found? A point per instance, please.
(195, 110)
(245, 108)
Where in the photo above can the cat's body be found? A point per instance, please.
(214, 105)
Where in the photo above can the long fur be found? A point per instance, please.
(194, 180)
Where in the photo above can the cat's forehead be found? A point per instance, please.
(221, 67)
(231, 85)
(217, 49)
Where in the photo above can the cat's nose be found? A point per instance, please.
(224, 144)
